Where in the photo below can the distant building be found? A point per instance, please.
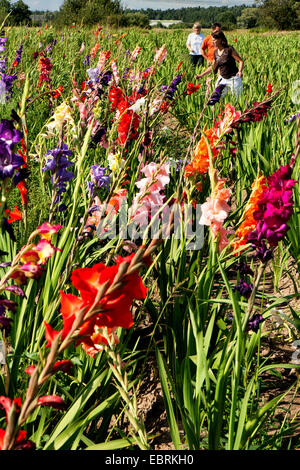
(165, 23)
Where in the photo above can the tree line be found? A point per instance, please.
(278, 14)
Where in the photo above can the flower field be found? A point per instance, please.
(150, 245)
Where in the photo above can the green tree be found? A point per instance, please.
(135, 19)
(249, 18)
(227, 20)
(280, 14)
(87, 11)
(20, 13)
(4, 9)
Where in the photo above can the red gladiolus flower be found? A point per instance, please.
(13, 215)
(30, 369)
(52, 400)
(116, 97)
(111, 311)
(115, 307)
(23, 191)
(45, 68)
(56, 93)
(50, 334)
(191, 88)
(63, 366)
(269, 88)
(127, 129)
(6, 404)
(164, 106)
(20, 444)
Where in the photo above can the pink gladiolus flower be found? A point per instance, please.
(215, 211)
(135, 53)
(230, 115)
(115, 71)
(46, 230)
(160, 55)
(45, 250)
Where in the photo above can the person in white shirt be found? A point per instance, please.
(193, 43)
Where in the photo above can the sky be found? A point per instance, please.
(53, 5)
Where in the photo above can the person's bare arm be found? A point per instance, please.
(206, 72)
(203, 49)
(238, 59)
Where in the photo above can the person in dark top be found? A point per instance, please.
(225, 65)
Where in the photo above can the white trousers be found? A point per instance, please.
(234, 84)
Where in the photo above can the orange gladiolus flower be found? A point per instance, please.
(249, 223)
(200, 162)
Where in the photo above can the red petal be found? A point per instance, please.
(50, 334)
(52, 400)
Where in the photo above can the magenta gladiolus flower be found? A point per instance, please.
(274, 209)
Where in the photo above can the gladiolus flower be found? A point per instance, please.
(113, 309)
(200, 163)
(45, 250)
(46, 230)
(52, 400)
(269, 88)
(23, 192)
(56, 93)
(248, 225)
(191, 88)
(215, 211)
(254, 321)
(20, 443)
(6, 403)
(94, 50)
(13, 215)
(63, 366)
(160, 55)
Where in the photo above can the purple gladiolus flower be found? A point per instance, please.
(57, 165)
(93, 74)
(2, 42)
(106, 78)
(19, 54)
(171, 89)
(9, 161)
(99, 178)
(9, 133)
(8, 304)
(125, 74)
(86, 61)
(244, 288)
(3, 64)
(293, 117)
(59, 159)
(263, 253)
(244, 269)
(216, 95)
(6, 84)
(5, 264)
(254, 322)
